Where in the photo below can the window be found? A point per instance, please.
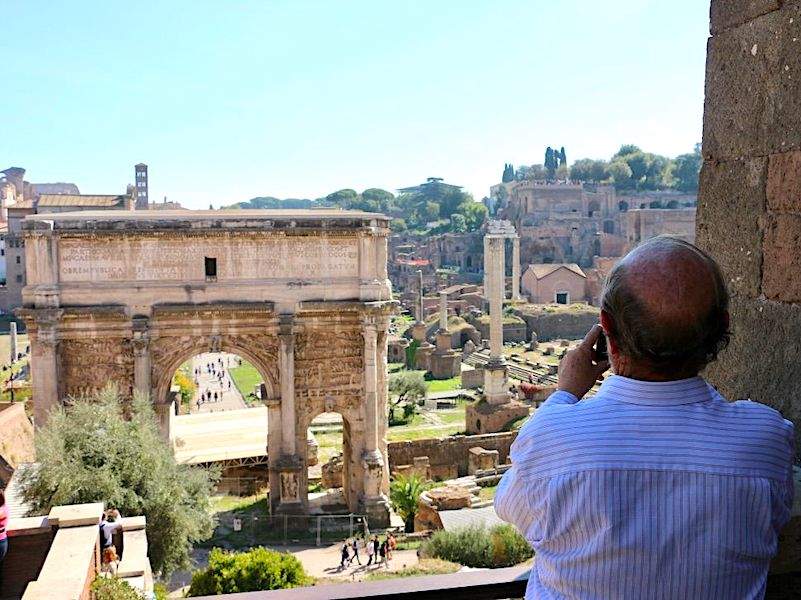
(18, 260)
(562, 297)
(19, 278)
(211, 269)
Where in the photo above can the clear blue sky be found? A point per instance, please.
(229, 100)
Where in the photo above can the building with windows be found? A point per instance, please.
(561, 283)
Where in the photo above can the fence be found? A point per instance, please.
(240, 531)
(241, 486)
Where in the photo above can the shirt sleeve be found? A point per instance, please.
(785, 495)
(560, 397)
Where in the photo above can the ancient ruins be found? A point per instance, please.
(127, 297)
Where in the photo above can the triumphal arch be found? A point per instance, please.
(127, 297)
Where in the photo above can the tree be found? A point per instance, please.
(458, 223)
(562, 172)
(620, 172)
(89, 452)
(404, 495)
(475, 214)
(252, 571)
(658, 172)
(626, 149)
(551, 162)
(686, 169)
(508, 173)
(587, 169)
(186, 385)
(398, 225)
(342, 198)
(562, 157)
(408, 387)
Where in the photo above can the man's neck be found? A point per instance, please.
(642, 373)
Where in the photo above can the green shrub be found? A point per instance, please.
(501, 546)
(251, 571)
(111, 588)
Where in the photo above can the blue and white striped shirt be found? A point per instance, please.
(650, 490)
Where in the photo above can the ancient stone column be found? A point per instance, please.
(486, 269)
(286, 362)
(12, 335)
(421, 315)
(496, 296)
(141, 339)
(44, 365)
(516, 268)
(370, 334)
(443, 311)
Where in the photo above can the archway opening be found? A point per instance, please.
(328, 451)
(217, 382)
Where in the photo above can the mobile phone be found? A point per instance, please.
(601, 353)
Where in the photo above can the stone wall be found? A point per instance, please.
(564, 324)
(749, 213)
(26, 555)
(450, 454)
(16, 439)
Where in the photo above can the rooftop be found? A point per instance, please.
(61, 200)
(543, 270)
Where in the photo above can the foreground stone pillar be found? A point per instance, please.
(374, 503)
(516, 268)
(486, 270)
(443, 311)
(289, 465)
(44, 365)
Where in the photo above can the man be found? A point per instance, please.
(657, 487)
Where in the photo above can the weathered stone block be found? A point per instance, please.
(760, 362)
(450, 497)
(480, 459)
(753, 87)
(730, 13)
(784, 182)
(732, 198)
(781, 269)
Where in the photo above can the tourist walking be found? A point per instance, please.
(355, 546)
(370, 548)
(383, 553)
(376, 548)
(345, 553)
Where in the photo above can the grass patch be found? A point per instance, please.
(329, 444)
(246, 378)
(239, 504)
(405, 433)
(452, 417)
(444, 385)
(427, 566)
(488, 493)
(395, 367)
(412, 544)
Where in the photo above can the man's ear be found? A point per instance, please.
(608, 326)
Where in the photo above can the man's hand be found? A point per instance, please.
(580, 369)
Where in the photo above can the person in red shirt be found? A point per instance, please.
(3, 534)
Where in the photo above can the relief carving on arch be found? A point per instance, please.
(89, 365)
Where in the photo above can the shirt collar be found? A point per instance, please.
(655, 393)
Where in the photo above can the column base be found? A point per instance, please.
(376, 509)
(496, 385)
(291, 501)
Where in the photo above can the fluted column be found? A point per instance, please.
(44, 365)
(141, 342)
(443, 311)
(370, 334)
(286, 358)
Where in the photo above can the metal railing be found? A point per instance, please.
(241, 531)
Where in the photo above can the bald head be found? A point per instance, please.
(667, 307)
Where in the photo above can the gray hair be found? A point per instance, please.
(668, 348)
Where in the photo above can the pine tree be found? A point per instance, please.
(562, 157)
(508, 173)
(550, 162)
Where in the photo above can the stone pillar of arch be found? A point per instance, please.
(44, 363)
(289, 464)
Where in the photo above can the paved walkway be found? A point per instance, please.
(228, 396)
(225, 435)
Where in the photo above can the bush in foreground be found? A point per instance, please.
(111, 588)
(252, 571)
(501, 546)
(106, 449)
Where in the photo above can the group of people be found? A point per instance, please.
(217, 370)
(375, 549)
